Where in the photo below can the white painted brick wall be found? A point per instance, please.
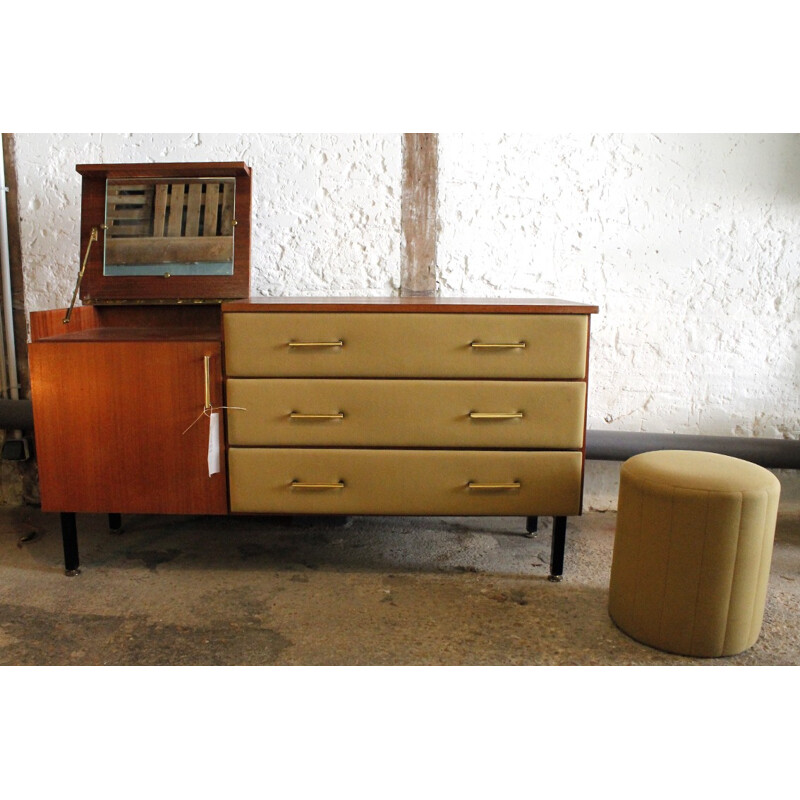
(690, 245)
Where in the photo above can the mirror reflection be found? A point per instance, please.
(158, 226)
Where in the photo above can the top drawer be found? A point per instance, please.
(331, 344)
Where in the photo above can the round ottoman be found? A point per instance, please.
(692, 551)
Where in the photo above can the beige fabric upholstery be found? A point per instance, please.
(406, 345)
(406, 413)
(407, 482)
(692, 551)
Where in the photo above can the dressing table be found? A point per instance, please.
(170, 391)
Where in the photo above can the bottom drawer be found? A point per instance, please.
(405, 482)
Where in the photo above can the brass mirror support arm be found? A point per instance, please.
(93, 236)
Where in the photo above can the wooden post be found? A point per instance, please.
(418, 214)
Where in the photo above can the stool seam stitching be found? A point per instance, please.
(757, 606)
(699, 579)
(670, 536)
(733, 572)
(637, 582)
(697, 489)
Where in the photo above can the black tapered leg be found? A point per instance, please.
(557, 548)
(69, 535)
(115, 523)
(531, 526)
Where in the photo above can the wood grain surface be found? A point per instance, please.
(163, 322)
(110, 420)
(426, 305)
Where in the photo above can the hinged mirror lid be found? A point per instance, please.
(165, 233)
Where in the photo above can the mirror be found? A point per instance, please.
(169, 226)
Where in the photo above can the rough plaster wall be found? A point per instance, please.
(326, 207)
(690, 245)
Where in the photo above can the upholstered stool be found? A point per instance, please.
(692, 551)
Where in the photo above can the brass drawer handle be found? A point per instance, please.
(499, 345)
(302, 485)
(339, 343)
(296, 415)
(494, 415)
(487, 487)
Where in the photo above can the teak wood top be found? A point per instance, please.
(153, 334)
(493, 305)
(202, 323)
(132, 323)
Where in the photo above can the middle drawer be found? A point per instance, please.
(406, 413)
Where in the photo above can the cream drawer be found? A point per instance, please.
(404, 482)
(377, 345)
(296, 412)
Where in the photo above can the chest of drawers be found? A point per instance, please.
(409, 407)
(330, 406)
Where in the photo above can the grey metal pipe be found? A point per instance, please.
(5, 279)
(600, 445)
(16, 415)
(621, 445)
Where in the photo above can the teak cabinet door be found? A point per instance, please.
(111, 418)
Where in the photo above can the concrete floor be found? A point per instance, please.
(374, 591)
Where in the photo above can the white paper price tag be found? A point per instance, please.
(213, 443)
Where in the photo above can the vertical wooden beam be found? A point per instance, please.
(418, 214)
